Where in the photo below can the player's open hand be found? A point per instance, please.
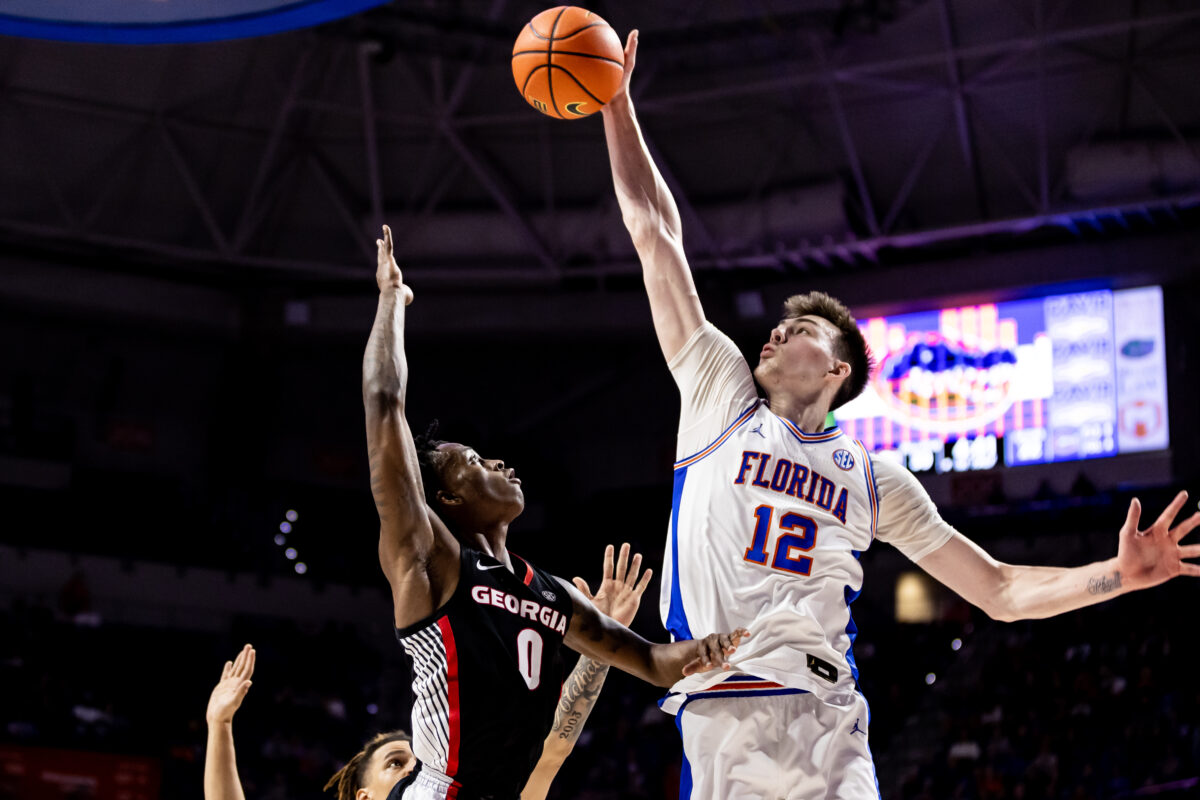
(631, 43)
(713, 651)
(620, 591)
(1150, 557)
(387, 271)
(228, 694)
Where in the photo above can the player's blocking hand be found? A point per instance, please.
(713, 651)
(631, 43)
(1153, 556)
(620, 591)
(229, 692)
(387, 271)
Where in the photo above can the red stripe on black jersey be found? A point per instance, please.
(451, 695)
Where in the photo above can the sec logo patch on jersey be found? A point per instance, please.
(843, 459)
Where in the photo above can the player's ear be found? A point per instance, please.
(448, 498)
(841, 369)
(362, 794)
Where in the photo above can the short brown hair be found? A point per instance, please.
(850, 346)
(349, 779)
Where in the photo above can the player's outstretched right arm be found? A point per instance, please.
(650, 214)
(413, 545)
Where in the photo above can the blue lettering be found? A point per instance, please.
(825, 498)
(746, 456)
(799, 476)
(762, 468)
(783, 470)
(839, 510)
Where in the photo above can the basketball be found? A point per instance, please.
(568, 62)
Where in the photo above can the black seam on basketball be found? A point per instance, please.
(577, 83)
(549, 55)
(577, 31)
(533, 30)
(569, 53)
(529, 77)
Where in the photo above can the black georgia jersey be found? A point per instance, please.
(487, 673)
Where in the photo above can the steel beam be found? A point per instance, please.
(286, 105)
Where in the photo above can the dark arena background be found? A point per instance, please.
(187, 217)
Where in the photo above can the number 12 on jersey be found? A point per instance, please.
(798, 532)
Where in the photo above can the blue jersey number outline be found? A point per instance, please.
(804, 540)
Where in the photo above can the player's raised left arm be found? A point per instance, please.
(221, 780)
(652, 217)
(1009, 592)
(619, 596)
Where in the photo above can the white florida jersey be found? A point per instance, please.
(767, 526)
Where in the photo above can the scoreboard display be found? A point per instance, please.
(1033, 381)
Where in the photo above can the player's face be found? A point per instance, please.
(799, 357)
(486, 487)
(387, 767)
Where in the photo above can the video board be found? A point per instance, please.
(1032, 381)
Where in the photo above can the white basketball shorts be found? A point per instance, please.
(775, 747)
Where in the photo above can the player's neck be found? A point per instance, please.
(493, 541)
(808, 417)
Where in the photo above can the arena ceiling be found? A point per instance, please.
(796, 134)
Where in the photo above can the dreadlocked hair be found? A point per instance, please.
(850, 346)
(429, 459)
(350, 778)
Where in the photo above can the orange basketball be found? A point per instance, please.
(568, 62)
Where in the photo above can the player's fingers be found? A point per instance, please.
(622, 562)
(739, 636)
(1189, 551)
(238, 661)
(1135, 513)
(644, 582)
(1168, 515)
(242, 688)
(631, 43)
(251, 657)
(635, 568)
(1189, 569)
(582, 586)
(387, 237)
(710, 651)
(1184, 528)
(692, 667)
(228, 668)
(608, 562)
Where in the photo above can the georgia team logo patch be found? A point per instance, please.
(843, 459)
(549, 595)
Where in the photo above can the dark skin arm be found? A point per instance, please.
(418, 554)
(603, 639)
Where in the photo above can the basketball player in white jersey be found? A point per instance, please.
(771, 511)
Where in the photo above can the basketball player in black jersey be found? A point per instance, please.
(388, 757)
(482, 627)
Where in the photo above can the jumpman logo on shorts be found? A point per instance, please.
(758, 430)
(857, 729)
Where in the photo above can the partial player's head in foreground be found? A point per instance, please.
(815, 354)
(383, 761)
